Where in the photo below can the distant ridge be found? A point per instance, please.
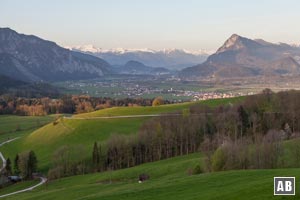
(137, 68)
(172, 59)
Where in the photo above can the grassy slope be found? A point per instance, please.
(168, 180)
(47, 139)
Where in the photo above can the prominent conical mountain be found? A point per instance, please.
(29, 58)
(241, 57)
(236, 42)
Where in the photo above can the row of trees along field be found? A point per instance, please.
(249, 134)
(66, 104)
(24, 165)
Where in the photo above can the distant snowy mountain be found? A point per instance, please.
(172, 59)
(85, 48)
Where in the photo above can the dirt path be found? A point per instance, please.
(1, 155)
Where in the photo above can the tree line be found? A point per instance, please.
(25, 164)
(66, 104)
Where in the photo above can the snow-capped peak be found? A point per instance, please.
(92, 49)
(196, 52)
(123, 50)
(295, 45)
(85, 48)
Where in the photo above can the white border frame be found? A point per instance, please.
(285, 194)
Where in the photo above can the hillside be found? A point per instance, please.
(47, 139)
(168, 180)
(7, 82)
(29, 58)
(19, 88)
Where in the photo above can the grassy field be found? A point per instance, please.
(12, 123)
(168, 180)
(6, 136)
(47, 139)
(18, 186)
(12, 126)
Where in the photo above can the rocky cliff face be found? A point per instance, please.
(30, 58)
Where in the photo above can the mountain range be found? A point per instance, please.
(243, 57)
(172, 59)
(29, 58)
(32, 59)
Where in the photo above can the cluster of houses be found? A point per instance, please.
(196, 96)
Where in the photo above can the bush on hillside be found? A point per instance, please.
(219, 160)
(158, 101)
(198, 169)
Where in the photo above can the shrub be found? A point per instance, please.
(197, 169)
(218, 160)
(55, 173)
(158, 101)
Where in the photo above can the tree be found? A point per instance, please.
(219, 160)
(158, 101)
(32, 163)
(244, 119)
(23, 164)
(8, 167)
(27, 163)
(69, 160)
(100, 165)
(16, 165)
(96, 156)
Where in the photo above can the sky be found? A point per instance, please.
(154, 24)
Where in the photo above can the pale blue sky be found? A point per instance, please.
(156, 24)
